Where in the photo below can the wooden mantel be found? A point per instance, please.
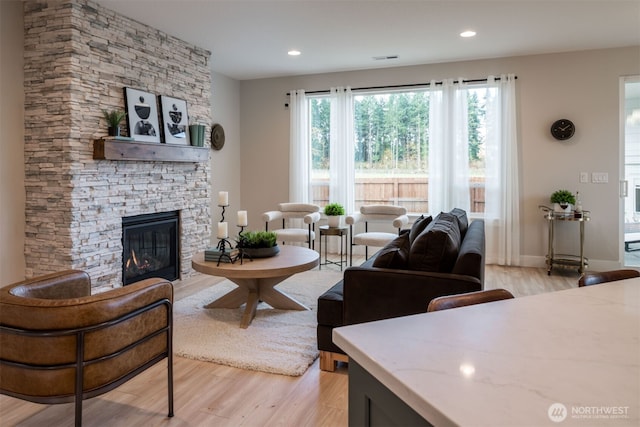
(108, 149)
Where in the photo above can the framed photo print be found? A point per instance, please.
(175, 120)
(142, 115)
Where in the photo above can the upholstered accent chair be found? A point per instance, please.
(289, 213)
(588, 279)
(59, 343)
(469, 298)
(389, 214)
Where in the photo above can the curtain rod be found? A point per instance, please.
(315, 92)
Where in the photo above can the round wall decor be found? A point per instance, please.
(563, 129)
(217, 137)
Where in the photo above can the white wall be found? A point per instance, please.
(225, 163)
(581, 86)
(12, 264)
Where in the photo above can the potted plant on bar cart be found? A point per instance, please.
(562, 200)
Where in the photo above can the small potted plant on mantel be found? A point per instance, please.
(258, 244)
(334, 213)
(562, 200)
(113, 118)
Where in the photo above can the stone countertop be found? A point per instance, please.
(507, 362)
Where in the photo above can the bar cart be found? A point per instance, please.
(552, 258)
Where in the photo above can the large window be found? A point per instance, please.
(453, 144)
(391, 150)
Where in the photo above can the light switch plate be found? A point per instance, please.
(600, 177)
(584, 177)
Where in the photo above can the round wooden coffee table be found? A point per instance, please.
(256, 279)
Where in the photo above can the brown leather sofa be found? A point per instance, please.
(443, 256)
(59, 343)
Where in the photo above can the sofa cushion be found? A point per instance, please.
(394, 254)
(418, 227)
(470, 260)
(463, 221)
(436, 248)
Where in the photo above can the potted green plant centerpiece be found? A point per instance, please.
(258, 244)
(113, 118)
(562, 200)
(334, 213)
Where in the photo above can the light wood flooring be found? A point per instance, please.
(208, 394)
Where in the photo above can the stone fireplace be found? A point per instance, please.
(78, 58)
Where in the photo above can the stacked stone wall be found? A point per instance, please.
(78, 58)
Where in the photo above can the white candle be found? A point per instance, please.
(223, 198)
(222, 230)
(242, 218)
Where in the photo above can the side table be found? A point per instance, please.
(341, 232)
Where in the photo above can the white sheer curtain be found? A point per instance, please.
(341, 149)
(448, 147)
(448, 157)
(299, 150)
(502, 187)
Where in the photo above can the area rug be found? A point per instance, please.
(277, 341)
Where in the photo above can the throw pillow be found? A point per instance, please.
(436, 248)
(395, 254)
(463, 222)
(418, 227)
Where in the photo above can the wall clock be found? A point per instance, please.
(563, 129)
(217, 137)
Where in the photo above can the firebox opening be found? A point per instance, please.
(150, 247)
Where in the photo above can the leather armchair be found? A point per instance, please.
(59, 343)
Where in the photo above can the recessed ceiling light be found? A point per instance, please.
(468, 33)
(384, 57)
(294, 52)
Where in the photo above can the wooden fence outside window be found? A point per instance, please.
(404, 191)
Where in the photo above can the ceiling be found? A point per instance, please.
(250, 39)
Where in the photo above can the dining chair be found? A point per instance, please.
(595, 278)
(469, 298)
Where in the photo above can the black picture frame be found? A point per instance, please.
(142, 115)
(175, 120)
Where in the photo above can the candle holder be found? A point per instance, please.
(223, 243)
(241, 253)
(222, 214)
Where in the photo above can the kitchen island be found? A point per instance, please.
(569, 357)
